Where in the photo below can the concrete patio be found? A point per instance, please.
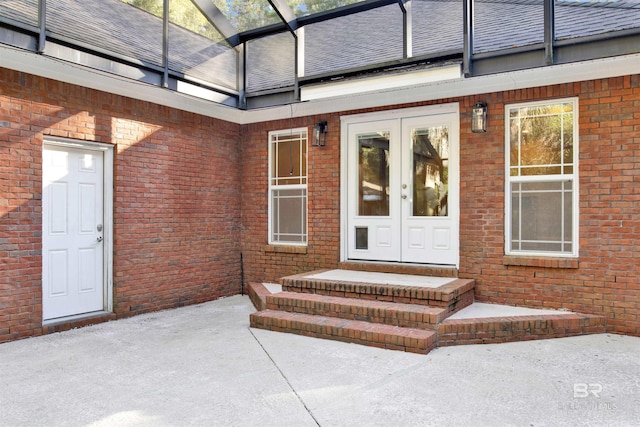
(202, 365)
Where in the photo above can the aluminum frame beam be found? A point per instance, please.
(42, 24)
(549, 30)
(467, 34)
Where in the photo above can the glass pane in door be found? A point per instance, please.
(373, 174)
(430, 170)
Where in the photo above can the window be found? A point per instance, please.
(542, 178)
(288, 187)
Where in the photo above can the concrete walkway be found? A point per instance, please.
(203, 366)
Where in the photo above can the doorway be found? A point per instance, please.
(402, 186)
(76, 229)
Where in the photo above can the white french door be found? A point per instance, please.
(72, 231)
(402, 188)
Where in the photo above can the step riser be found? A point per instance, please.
(336, 329)
(499, 330)
(451, 306)
(369, 311)
(436, 271)
(454, 295)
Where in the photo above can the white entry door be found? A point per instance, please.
(402, 190)
(72, 231)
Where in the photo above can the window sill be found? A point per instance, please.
(545, 262)
(284, 249)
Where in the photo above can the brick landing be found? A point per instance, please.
(409, 318)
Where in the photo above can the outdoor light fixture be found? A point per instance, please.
(479, 117)
(319, 134)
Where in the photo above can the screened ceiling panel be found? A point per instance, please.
(309, 7)
(354, 41)
(503, 24)
(210, 62)
(248, 15)
(271, 62)
(588, 18)
(109, 26)
(437, 26)
(22, 11)
(207, 37)
(196, 48)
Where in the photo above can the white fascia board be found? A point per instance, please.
(63, 71)
(381, 83)
(400, 89)
(432, 91)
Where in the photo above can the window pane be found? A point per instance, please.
(289, 158)
(289, 216)
(567, 134)
(430, 171)
(373, 179)
(541, 140)
(542, 216)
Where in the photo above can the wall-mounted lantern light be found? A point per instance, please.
(319, 134)
(479, 117)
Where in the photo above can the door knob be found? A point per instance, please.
(99, 239)
(404, 196)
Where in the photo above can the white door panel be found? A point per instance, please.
(402, 189)
(430, 184)
(73, 212)
(374, 194)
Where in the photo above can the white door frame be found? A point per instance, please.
(345, 121)
(108, 153)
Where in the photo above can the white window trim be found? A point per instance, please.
(576, 181)
(286, 187)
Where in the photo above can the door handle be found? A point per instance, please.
(404, 196)
(99, 239)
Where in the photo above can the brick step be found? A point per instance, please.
(453, 295)
(389, 313)
(353, 331)
(413, 269)
(494, 330)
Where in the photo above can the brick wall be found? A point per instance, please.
(178, 177)
(602, 281)
(176, 203)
